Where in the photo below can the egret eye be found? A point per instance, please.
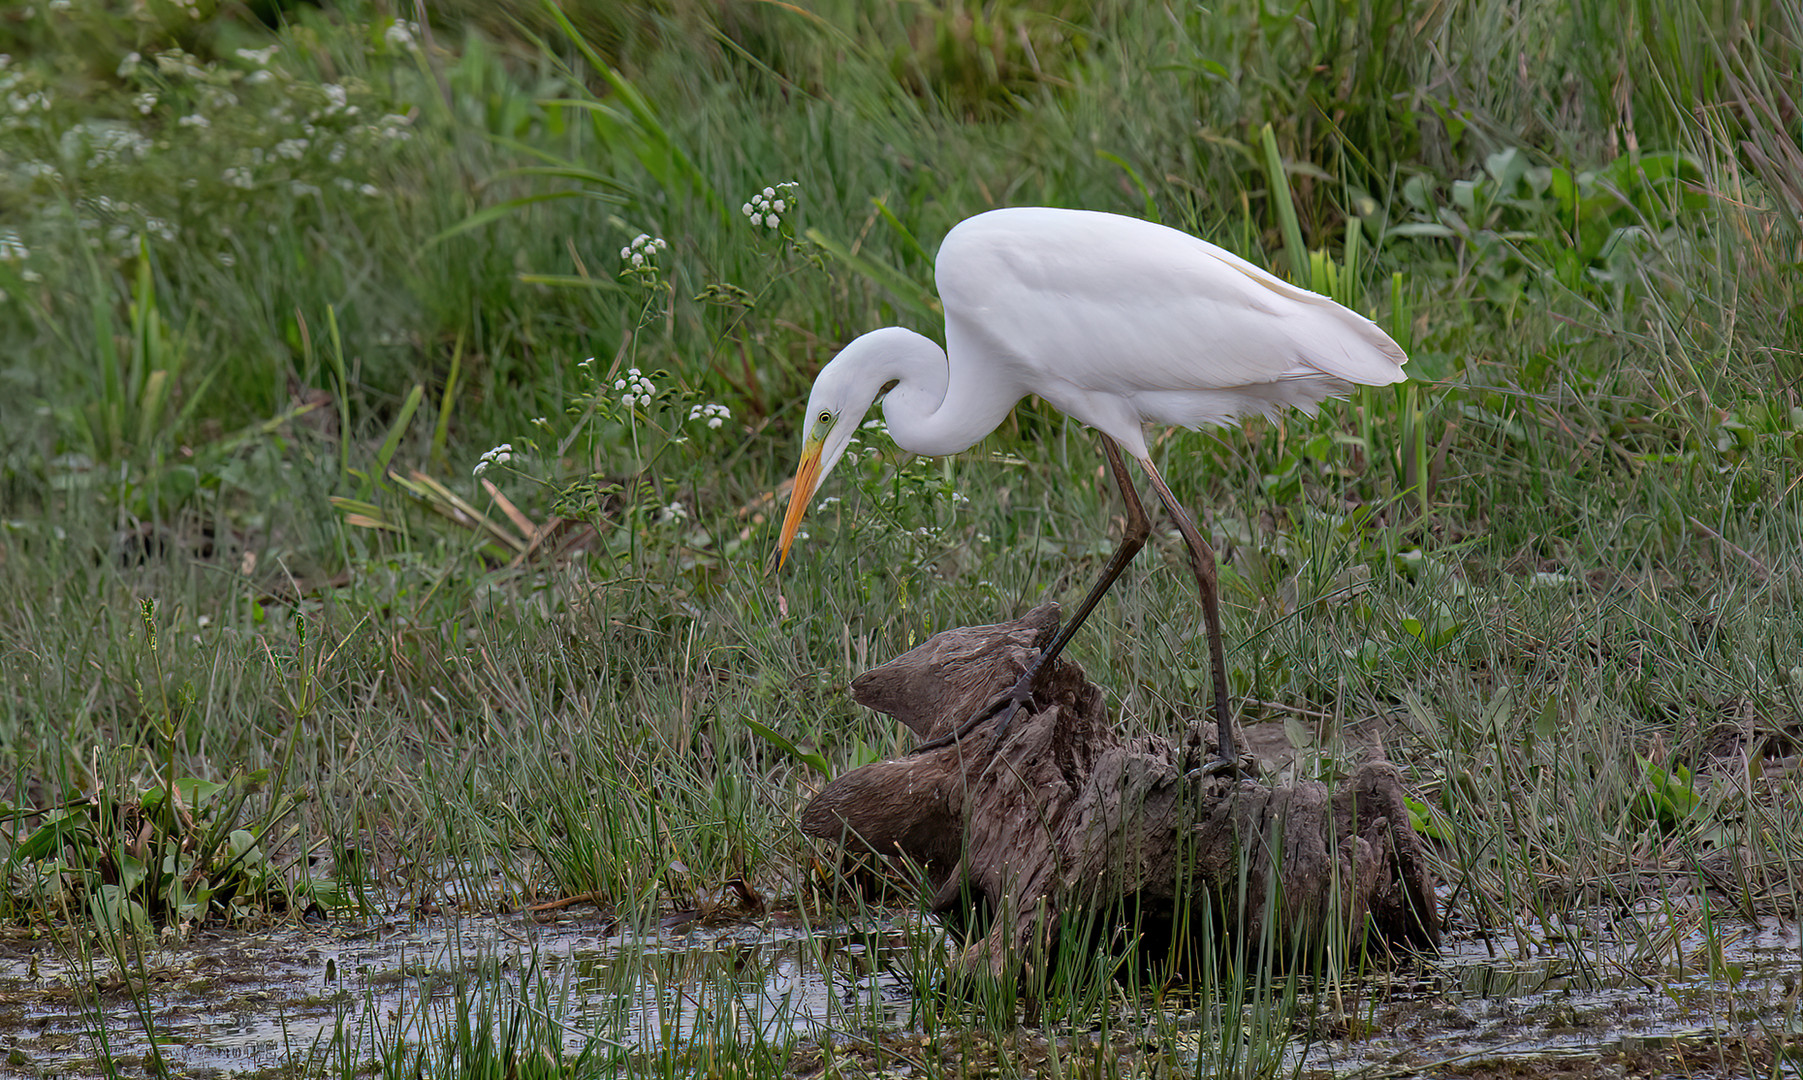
(826, 417)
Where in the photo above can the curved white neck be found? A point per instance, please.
(933, 408)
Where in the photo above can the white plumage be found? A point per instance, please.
(1118, 323)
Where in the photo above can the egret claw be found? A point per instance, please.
(1012, 702)
(1005, 705)
(1220, 766)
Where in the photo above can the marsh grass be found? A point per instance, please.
(1551, 573)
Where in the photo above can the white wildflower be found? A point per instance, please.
(767, 208)
(675, 512)
(500, 455)
(394, 126)
(12, 249)
(369, 190)
(258, 77)
(129, 64)
(401, 34)
(640, 255)
(238, 176)
(259, 57)
(106, 142)
(177, 62)
(714, 415)
(145, 103)
(195, 120)
(292, 149)
(638, 389)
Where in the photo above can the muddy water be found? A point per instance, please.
(1613, 985)
(237, 1002)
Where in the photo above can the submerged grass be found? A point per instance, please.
(266, 308)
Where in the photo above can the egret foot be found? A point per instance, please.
(1220, 766)
(1010, 703)
(1005, 706)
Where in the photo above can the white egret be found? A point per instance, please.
(1119, 323)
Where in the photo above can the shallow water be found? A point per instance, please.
(1611, 985)
(233, 1002)
(230, 1002)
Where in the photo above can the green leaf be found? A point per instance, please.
(48, 838)
(393, 441)
(194, 792)
(1669, 797)
(782, 742)
(1278, 181)
(500, 210)
(1423, 821)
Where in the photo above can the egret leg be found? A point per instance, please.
(1139, 526)
(1202, 562)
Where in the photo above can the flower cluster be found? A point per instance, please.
(401, 34)
(768, 206)
(638, 388)
(715, 415)
(640, 255)
(500, 455)
(13, 250)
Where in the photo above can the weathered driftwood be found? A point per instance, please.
(1064, 818)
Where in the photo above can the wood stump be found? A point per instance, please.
(1066, 819)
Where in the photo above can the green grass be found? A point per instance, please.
(1553, 570)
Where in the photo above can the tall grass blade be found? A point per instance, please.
(1283, 203)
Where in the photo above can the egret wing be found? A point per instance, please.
(1073, 301)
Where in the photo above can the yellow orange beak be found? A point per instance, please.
(807, 475)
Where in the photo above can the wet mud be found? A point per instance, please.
(1616, 995)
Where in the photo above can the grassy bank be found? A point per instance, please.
(272, 293)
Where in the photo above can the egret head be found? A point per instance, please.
(836, 406)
